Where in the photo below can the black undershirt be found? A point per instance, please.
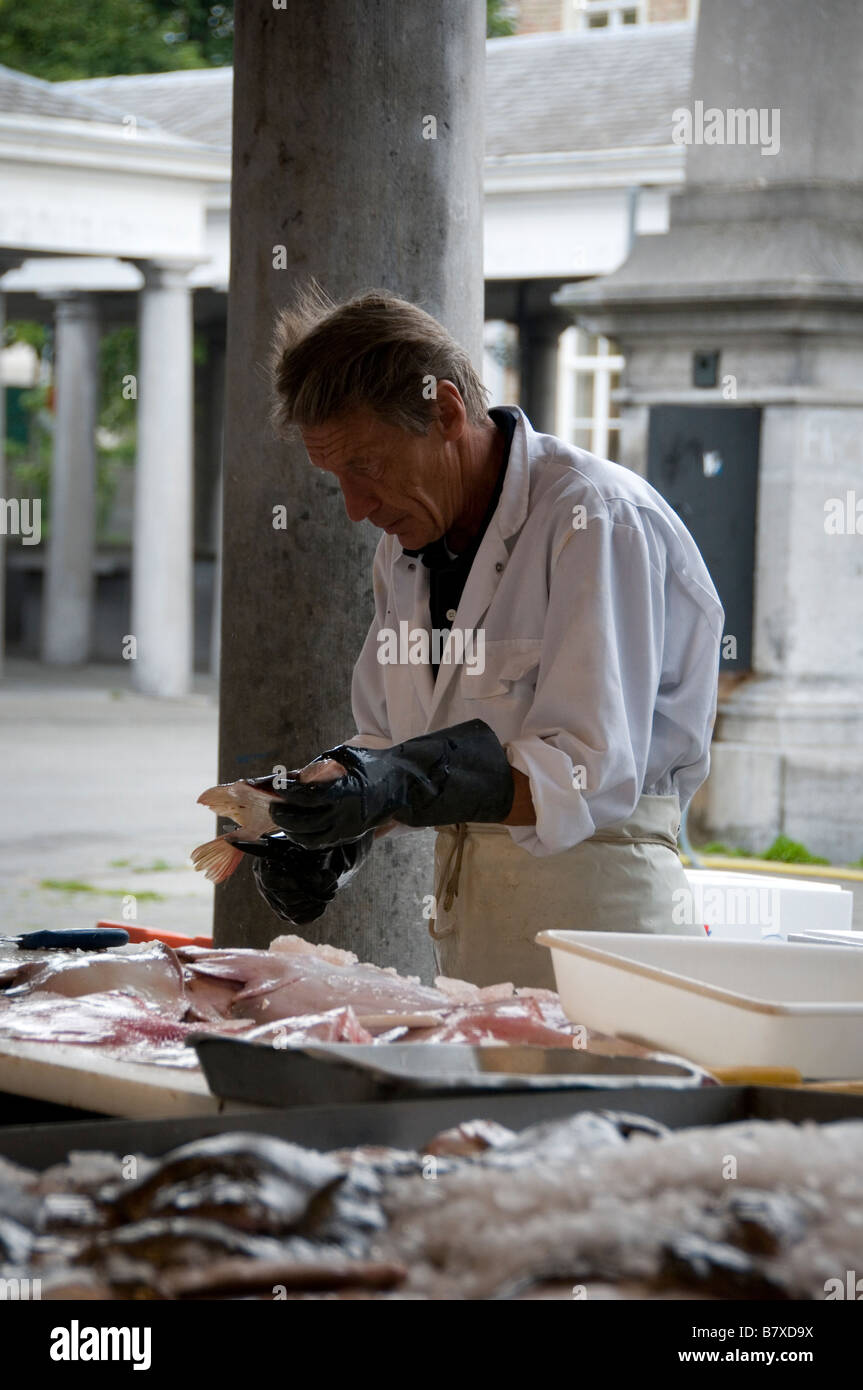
(448, 574)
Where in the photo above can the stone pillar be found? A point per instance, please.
(763, 263)
(217, 444)
(538, 353)
(67, 604)
(162, 599)
(7, 263)
(332, 104)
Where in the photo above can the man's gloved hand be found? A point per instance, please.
(456, 774)
(299, 884)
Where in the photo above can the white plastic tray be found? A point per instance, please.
(747, 906)
(719, 1003)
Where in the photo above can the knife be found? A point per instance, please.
(70, 939)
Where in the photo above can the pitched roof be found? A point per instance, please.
(589, 90)
(545, 93)
(195, 103)
(23, 95)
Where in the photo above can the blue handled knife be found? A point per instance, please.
(70, 939)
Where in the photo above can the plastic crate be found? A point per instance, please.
(170, 938)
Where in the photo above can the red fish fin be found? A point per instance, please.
(217, 859)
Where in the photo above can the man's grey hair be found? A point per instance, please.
(374, 350)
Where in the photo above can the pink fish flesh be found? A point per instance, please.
(336, 1025)
(505, 1021)
(152, 973)
(107, 1016)
(275, 984)
(147, 1000)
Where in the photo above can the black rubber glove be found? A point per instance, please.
(299, 884)
(456, 774)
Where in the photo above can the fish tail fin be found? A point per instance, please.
(217, 859)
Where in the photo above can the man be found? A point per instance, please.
(554, 743)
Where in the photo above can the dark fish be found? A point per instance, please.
(350, 1213)
(244, 1157)
(716, 1268)
(556, 1141)
(177, 1240)
(21, 1207)
(764, 1223)
(65, 1213)
(16, 1242)
(315, 1269)
(267, 1204)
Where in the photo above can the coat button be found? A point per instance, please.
(499, 566)
(450, 613)
(411, 566)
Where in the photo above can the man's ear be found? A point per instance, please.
(451, 413)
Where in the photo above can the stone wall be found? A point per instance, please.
(546, 16)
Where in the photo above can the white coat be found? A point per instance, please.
(602, 630)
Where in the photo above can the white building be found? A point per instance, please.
(116, 209)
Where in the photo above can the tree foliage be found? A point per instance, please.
(60, 40)
(501, 19)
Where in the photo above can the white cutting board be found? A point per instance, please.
(78, 1076)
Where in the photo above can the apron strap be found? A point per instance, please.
(613, 835)
(451, 874)
(606, 837)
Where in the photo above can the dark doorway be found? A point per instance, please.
(704, 461)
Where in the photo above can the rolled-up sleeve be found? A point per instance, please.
(590, 733)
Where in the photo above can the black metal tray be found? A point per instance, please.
(411, 1123)
(259, 1074)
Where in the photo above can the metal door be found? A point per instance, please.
(704, 461)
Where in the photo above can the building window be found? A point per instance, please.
(589, 368)
(603, 14)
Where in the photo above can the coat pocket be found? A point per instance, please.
(505, 663)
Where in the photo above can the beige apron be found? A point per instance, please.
(492, 896)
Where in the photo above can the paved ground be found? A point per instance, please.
(99, 787)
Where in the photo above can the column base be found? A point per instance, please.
(787, 760)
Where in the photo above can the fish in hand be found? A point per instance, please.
(248, 804)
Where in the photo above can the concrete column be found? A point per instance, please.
(538, 352)
(217, 437)
(763, 263)
(5, 266)
(67, 610)
(332, 177)
(162, 559)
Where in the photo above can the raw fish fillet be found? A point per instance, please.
(148, 999)
(505, 1021)
(111, 1017)
(336, 1025)
(151, 972)
(280, 984)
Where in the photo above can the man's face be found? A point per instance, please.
(406, 484)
